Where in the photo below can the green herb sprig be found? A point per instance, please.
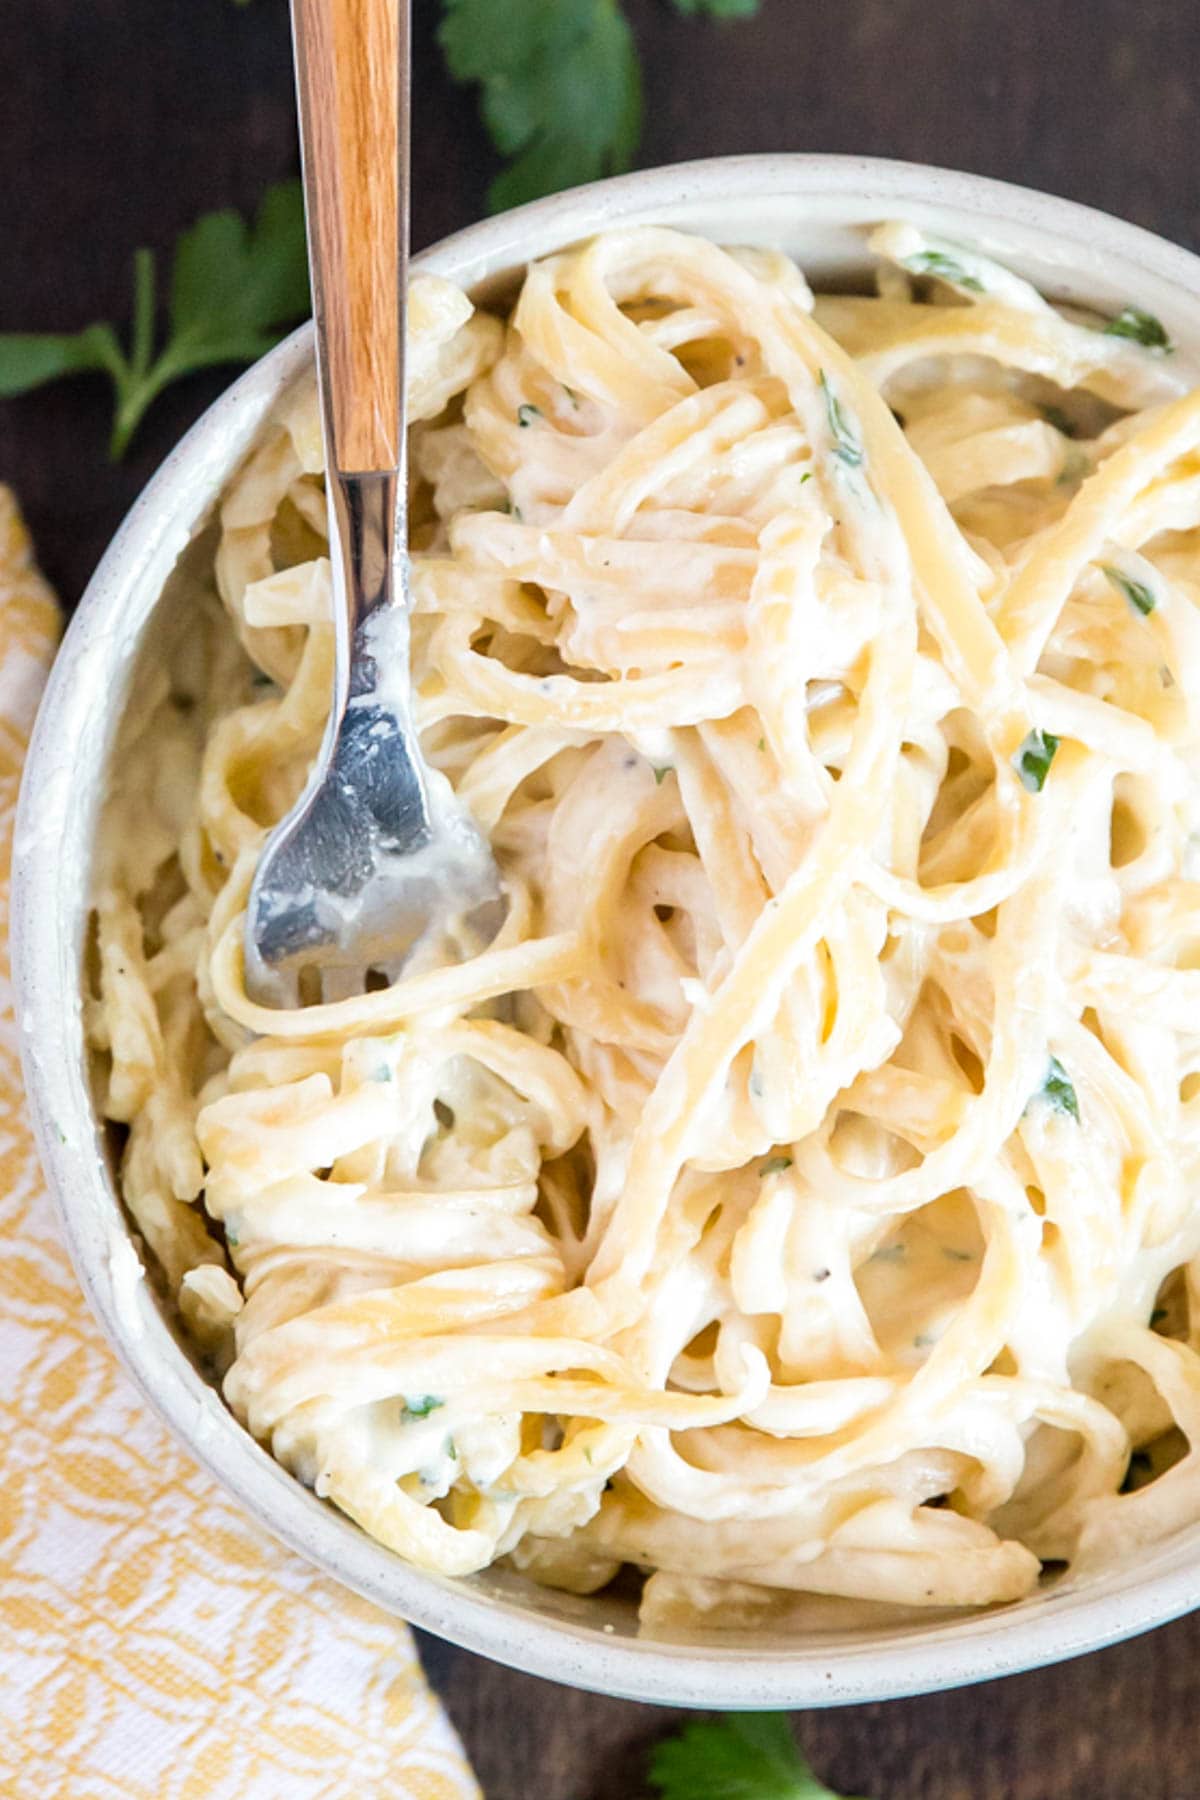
(560, 85)
(560, 88)
(234, 288)
(744, 1756)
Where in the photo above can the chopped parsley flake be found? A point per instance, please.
(526, 415)
(846, 446)
(1033, 759)
(1142, 327)
(660, 775)
(946, 268)
(1058, 1090)
(1143, 599)
(775, 1165)
(420, 1406)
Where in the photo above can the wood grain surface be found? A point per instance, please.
(349, 82)
(122, 119)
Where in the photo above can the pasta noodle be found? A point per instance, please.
(798, 1198)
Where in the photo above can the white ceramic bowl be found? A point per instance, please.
(814, 207)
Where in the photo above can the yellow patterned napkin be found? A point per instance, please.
(154, 1644)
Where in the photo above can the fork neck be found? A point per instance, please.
(370, 576)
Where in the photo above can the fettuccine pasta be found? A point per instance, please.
(799, 1197)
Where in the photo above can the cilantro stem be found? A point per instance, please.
(142, 335)
(137, 394)
(234, 285)
(133, 397)
(135, 381)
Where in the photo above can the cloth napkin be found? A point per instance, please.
(154, 1644)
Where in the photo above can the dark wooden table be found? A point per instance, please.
(121, 119)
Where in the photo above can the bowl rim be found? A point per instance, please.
(52, 819)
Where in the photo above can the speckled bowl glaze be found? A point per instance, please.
(814, 207)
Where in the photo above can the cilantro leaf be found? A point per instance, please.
(1142, 327)
(27, 359)
(746, 1756)
(233, 287)
(560, 88)
(560, 84)
(717, 9)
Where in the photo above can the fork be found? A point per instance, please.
(377, 860)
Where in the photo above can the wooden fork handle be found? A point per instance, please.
(352, 85)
